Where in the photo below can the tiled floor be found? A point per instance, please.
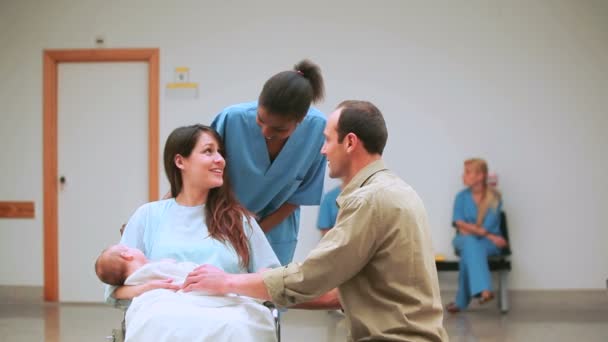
(580, 316)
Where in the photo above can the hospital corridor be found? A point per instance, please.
(285, 171)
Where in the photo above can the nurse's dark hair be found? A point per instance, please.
(290, 93)
(364, 120)
(223, 212)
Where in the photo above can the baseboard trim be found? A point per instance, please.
(13, 294)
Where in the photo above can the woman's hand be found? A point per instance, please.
(166, 284)
(208, 279)
(463, 231)
(132, 291)
(499, 241)
(468, 228)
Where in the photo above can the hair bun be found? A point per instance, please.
(312, 73)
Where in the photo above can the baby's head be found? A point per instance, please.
(117, 262)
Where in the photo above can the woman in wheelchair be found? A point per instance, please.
(477, 221)
(202, 223)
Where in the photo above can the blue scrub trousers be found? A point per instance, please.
(474, 276)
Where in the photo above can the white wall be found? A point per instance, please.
(522, 83)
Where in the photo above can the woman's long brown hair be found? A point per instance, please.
(223, 212)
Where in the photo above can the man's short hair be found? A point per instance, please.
(110, 267)
(364, 120)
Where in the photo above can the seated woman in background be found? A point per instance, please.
(202, 223)
(477, 220)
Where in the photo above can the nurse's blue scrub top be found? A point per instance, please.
(465, 210)
(295, 176)
(328, 211)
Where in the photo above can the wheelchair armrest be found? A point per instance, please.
(273, 308)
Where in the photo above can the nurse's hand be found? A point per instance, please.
(462, 231)
(208, 279)
(499, 241)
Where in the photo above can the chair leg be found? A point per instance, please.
(499, 297)
(503, 299)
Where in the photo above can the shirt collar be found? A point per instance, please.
(361, 178)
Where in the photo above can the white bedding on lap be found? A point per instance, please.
(164, 315)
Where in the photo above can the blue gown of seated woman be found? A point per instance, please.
(168, 230)
(474, 274)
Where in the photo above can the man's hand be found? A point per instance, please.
(208, 279)
(213, 281)
(327, 301)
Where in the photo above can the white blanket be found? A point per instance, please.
(163, 315)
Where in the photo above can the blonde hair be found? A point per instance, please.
(491, 197)
(110, 267)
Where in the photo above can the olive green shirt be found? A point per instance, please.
(379, 255)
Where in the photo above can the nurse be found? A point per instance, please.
(477, 220)
(273, 153)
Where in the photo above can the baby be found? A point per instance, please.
(122, 265)
(117, 262)
(194, 315)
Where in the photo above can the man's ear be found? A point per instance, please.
(351, 141)
(179, 161)
(126, 256)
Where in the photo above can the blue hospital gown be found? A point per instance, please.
(474, 274)
(168, 230)
(295, 176)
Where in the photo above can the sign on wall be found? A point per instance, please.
(182, 87)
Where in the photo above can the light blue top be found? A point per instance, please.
(465, 210)
(168, 230)
(295, 176)
(328, 211)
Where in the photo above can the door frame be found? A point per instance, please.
(51, 60)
